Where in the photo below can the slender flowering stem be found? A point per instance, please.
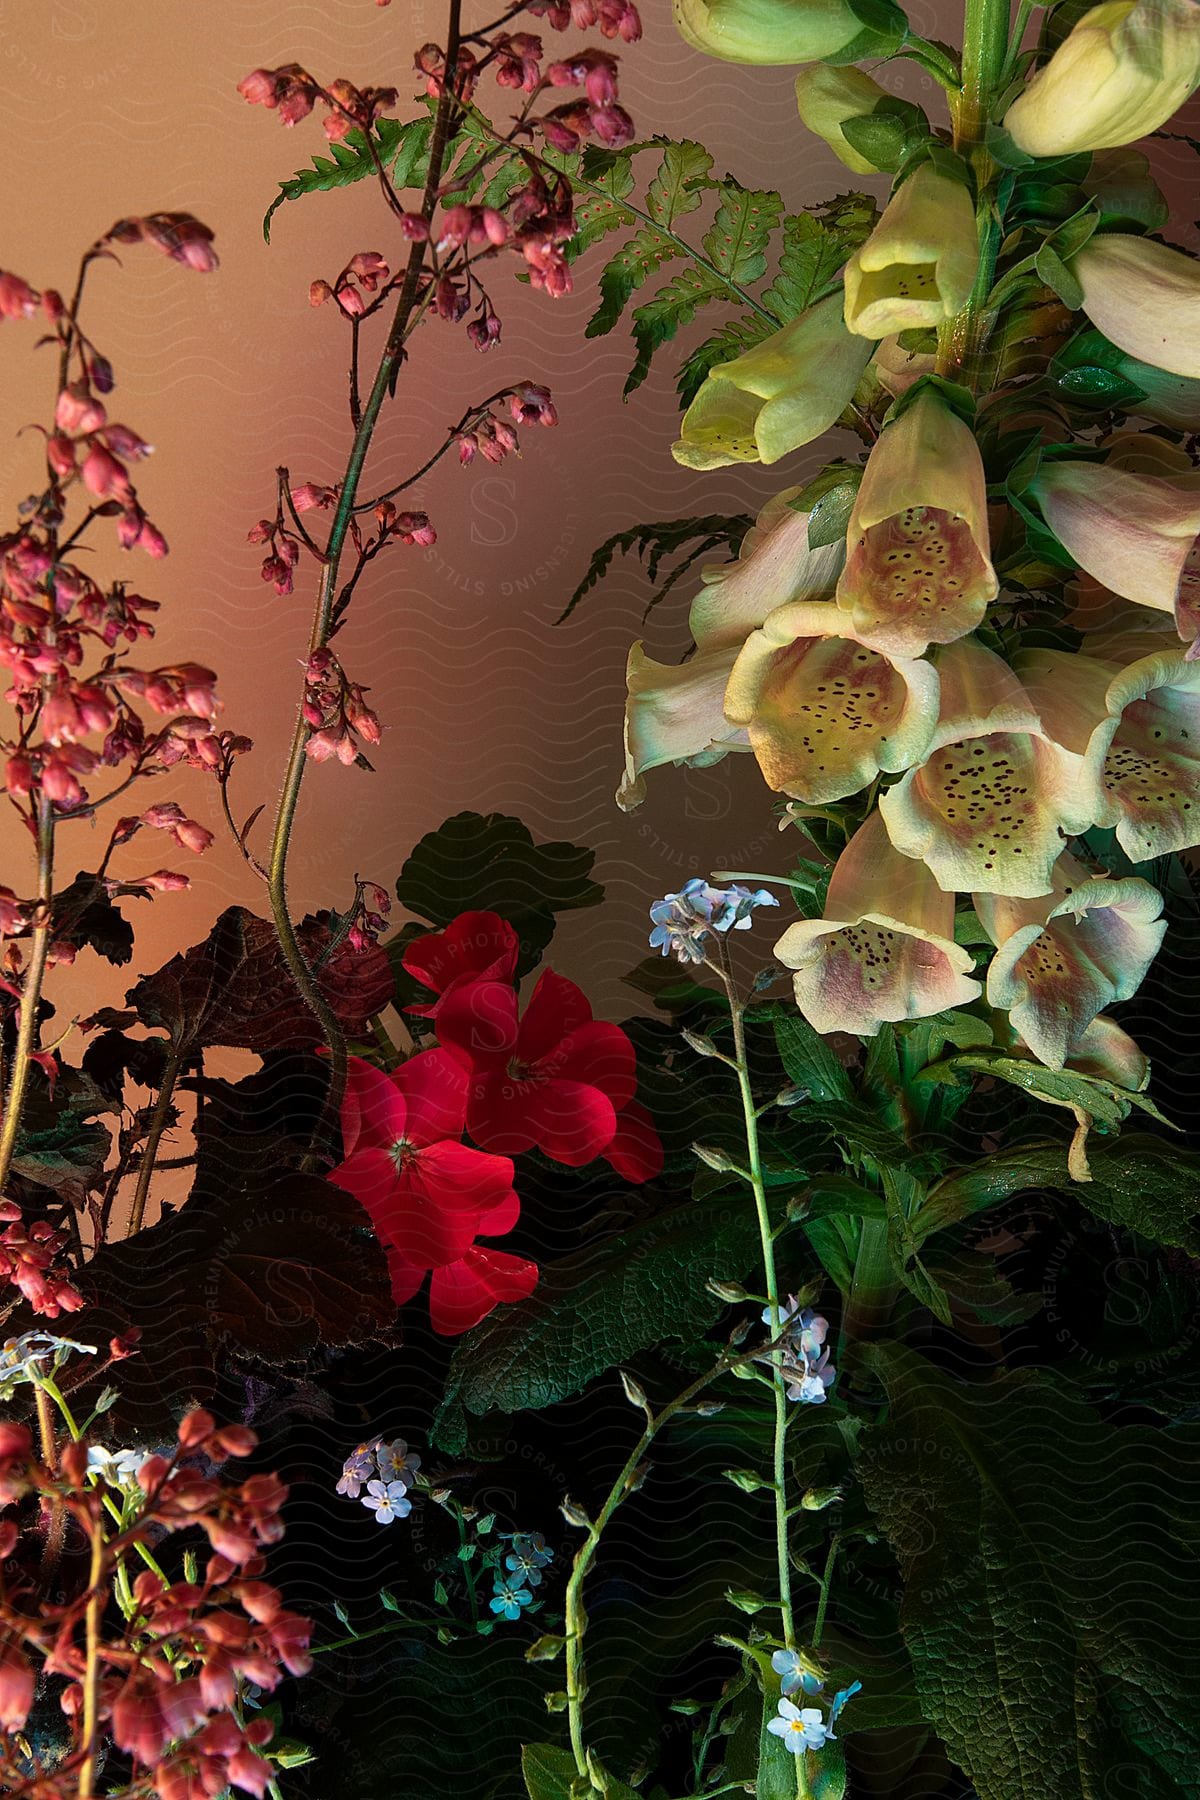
(31, 995)
(382, 386)
(97, 1595)
(576, 1614)
(737, 1016)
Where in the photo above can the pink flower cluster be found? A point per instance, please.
(30, 1259)
(336, 711)
(292, 92)
(492, 437)
(166, 1684)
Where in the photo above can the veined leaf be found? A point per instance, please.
(678, 186)
(621, 277)
(730, 341)
(655, 323)
(351, 161)
(812, 255)
(1050, 1575)
(737, 239)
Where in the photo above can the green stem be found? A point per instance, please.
(826, 1585)
(467, 1567)
(771, 1282)
(985, 46)
(158, 1124)
(986, 32)
(575, 1611)
(381, 387)
(31, 994)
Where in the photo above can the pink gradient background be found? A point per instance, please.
(113, 110)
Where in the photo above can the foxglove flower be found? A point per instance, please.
(554, 1077)
(918, 266)
(827, 98)
(1136, 723)
(766, 32)
(676, 713)
(1123, 69)
(1060, 960)
(1144, 297)
(826, 710)
(778, 395)
(996, 798)
(884, 950)
(918, 558)
(1132, 531)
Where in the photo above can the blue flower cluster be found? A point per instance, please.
(804, 1727)
(525, 1561)
(385, 1472)
(804, 1364)
(683, 921)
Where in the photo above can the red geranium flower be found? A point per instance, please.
(428, 1195)
(636, 1152)
(555, 1077)
(473, 946)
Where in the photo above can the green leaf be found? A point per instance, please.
(490, 863)
(809, 1061)
(57, 1146)
(550, 1774)
(678, 186)
(734, 337)
(405, 143)
(811, 256)
(658, 539)
(1058, 277)
(737, 238)
(602, 1304)
(831, 514)
(675, 305)
(1050, 1580)
(629, 270)
(84, 914)
(1140, 1182)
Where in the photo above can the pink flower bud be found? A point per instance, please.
(350, 301)
(77, 410)
(192, 836)
(17, 299)
(52, 305)
(310, 495)
(319, 292)
(369, 268)
(296, 106)
(195, 1428)
(60, 454)
(414, 227)
(162, 881)
(126, 443)
(18, 776)
(103, 475)
(259, 88)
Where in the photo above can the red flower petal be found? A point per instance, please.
(496, 1114)
(571, 1120)
(501, 1219)
(600, 1055)
(406, 1276)
(466, 1291)
(434, 1085)
(477, 1021)
(372, 1112)
(370, 1175)
(555, 1008)
(636, 1152)
(474, 944)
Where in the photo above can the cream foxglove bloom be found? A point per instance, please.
(1137, 725)
(824, 711)
(766, 31)
(918, 564)
(1143, 296)
(884, 950)
(1062, 959)
(675, 712)
(918, 266)
(1133, 532)
(827, 98)
(776, 396)
(1120, 73)
(992, 804)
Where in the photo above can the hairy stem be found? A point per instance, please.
(97, 1595)
(383, 384)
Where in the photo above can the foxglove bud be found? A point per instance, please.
(918, 266)
(1144, 297)
(1121, 72)
(766, 32)
(827, 98)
